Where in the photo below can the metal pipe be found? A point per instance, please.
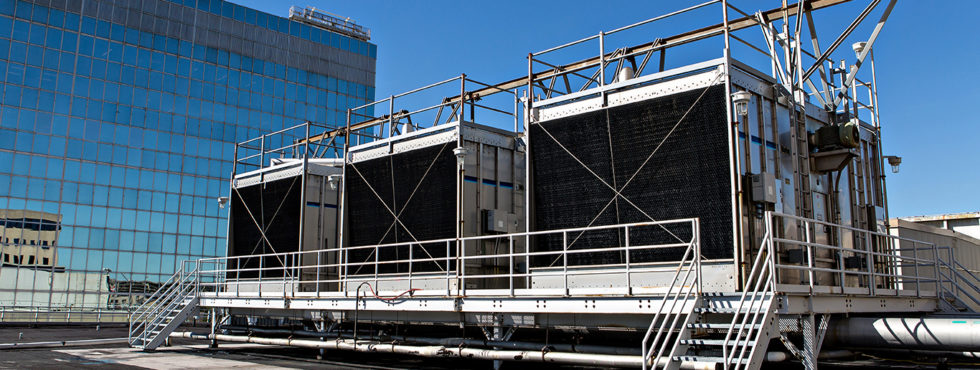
(441, 351)
(455, 342)
(63, 343)
(947, 333)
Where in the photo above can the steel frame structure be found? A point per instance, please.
(893, 278)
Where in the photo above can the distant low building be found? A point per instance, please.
(967, 223)
(28, 238)
(960, 250)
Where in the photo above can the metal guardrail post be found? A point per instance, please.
(696, 223)
(461, 265)
(938, 274)
(915, 253)
(840, 259)
(869, 254)
(510, 256)
(771, 250)
(449, 289)
(629, 275)
(809, 254)
(410, 266)
(564, 258)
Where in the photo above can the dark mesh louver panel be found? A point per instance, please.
(428, 214)
(275, 206)
(687, 177)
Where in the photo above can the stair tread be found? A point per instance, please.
(713, 342)
(725, 310)
(724, 326)
(714, 359)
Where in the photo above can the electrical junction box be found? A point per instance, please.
(498, 222)
(763, 188)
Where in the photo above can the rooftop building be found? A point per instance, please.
(119, 120)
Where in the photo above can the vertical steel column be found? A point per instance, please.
(391, 115)
(297, 260)
(341, 220)
(732, 140)
(460, 174)
(214, 327)
(231, 189)
(602, 60)
(528, 193)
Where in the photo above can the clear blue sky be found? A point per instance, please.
(926, 59)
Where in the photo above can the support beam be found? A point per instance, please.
(660, 44)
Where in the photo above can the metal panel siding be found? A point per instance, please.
(687, 175)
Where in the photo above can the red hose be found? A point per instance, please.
(371, 288)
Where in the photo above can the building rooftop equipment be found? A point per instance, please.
(700, 214)
(331, 22)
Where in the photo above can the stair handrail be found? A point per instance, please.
(761, 281)
(151, 304)
(174, 303)
(153, 310)
(687, 265)
(176, 295)
(172, 299)
(954, 283)
(151, 300)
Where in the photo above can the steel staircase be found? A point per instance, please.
(168, 307)
(959, 286)
(691, 328)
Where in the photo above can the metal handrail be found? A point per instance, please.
(149, 300)
(955, 286)
(761, 280)
(224, 273)
(687, 265)
(888, 256)
(164, 300)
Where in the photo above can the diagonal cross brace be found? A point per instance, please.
(618, 192)
(393, 214)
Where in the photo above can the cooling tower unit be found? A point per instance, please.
(265, 218)
(655, 151)
(407, 191)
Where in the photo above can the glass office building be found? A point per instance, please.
(117, 131)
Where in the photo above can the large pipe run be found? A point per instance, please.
(923, 333)
(455, 342)
(441, 351)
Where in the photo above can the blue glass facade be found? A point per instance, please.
(118, 123)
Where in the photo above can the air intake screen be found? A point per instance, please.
(419, 186)
(275, 207)
(686, 176)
